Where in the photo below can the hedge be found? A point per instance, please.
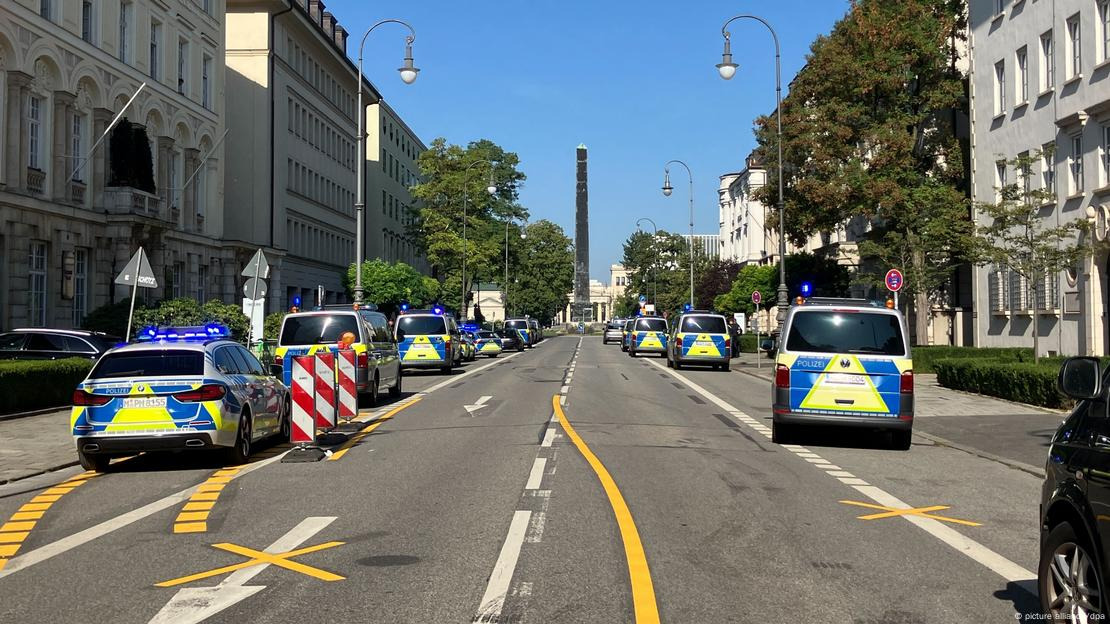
(1024, 382)
(924, 357)
(36, 384)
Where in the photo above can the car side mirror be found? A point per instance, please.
(1080, 378)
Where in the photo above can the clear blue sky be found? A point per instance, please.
(634, 81)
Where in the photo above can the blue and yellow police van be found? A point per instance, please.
(429, 339)
(523, 328)
(176, 388)
(700, 337)
(844, 362)
(626, 334)
(649, 335)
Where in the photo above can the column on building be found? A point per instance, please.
(62, 164)
(16, 145)
(191, 159)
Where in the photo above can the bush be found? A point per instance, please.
(925, 357)
(1024, 382)
(27, 385)
(185, 311)
(748, 343)
(112, 318)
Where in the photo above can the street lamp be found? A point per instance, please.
(667, 190)
(408, 76)
(492, 190)
(505, 289)
(655, 263)
(727, 69)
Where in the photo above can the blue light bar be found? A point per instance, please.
(437, 310)
(195, 333)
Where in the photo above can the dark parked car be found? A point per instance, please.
(1075, 500)
(510, 339)
(54, 344)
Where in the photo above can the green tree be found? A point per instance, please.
(448, 170)
(1018, 237)
(546, 273)
(271, 327)
(111, 318)
(187, 312)
(389, 284)
(869, 134)
(660, 264)
(715, 280)
(752, 277)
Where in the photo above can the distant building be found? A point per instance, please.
(705, 244)
(602, 297)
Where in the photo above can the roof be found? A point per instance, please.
(71, 332)
(162, 345)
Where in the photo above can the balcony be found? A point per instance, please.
(77, 192)
(36, 180)
(124, 200)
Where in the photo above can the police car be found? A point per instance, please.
(523, 327)
(700, 337)
(488, 344)
(429, 339)
(176, 388)
(844, 362)
(649, 335)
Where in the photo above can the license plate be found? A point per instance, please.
(703, 343)
(846, 379)
(155, 401)
(424, 347)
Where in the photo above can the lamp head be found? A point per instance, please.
(726, 67)
(667, 188)
(408, 70)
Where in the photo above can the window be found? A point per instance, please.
(1023, 74)
(126, 9)
(34, 133)
(1075, 57)
(1000, 87)
(1048, 62)
(1104, 29)
(175, 279)
(46, 9)
(1075, 164)
(155, 50)
(171, 181)
(207, 6)
(87, 20)
(76, 147)
(201, 190)
(1048, 167)
(205, 83)
(36, 291)
(202, 284)
(1104, 156)
(182, 65)
(999, 179)
(999, 7)
(80, 286)
(1025, 171)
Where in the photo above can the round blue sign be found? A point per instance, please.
(643, 298)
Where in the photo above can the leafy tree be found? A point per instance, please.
(111, 318)
(752, 277)
(448, 171)
(271, 327)
(660, 264)
(715, 280)
(828, 279)
(185, 311)
(1018, 237)
(869, 134)
(546, 273)
(389, 284)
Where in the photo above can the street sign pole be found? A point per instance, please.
(134, 294)
(136, 273)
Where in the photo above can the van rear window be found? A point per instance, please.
(653, 324)
(422, 325)
(517, 324)
(703, 325)
(829, 331)
(317, 329)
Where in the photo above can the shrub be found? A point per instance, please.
(112, 318)
(925, 357)
(748, 343)
(27, 385)
(185, 311)
(1012, 380)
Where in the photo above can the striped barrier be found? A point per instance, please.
(303, 428)
(348, 391)
(325, 390)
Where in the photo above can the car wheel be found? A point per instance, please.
(395, 391)
(374, 391)
(241, 452)
(1068, 578)
(781, 434)
(93, 461)
(727, 366)
(446, 369)
(631, 353)
(901, 440)
(285, 428)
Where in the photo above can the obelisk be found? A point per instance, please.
(581, 241)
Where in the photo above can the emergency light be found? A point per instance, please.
(195, 333)
(405, 307)
(806, 289)
(437, 310)
(687, 307)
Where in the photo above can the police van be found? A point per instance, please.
(523, 327)
(844, 362)
(649, 335)
(700, 337)
(429, 339)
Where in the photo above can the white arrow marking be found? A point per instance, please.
(196, 604)
(470, 409)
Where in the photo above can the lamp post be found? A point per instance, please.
(492, 191)
(505, 288)
(408, 76)
(727, 69)
(667, 190)
(655, 263)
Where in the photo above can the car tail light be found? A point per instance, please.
(363, 359)
(782, 376)
(278, 361)
(728, 344)
(678, 342)
(82, 398)
(207, 392)
(906, 387)
(447, 345)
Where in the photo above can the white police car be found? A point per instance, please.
(177, 388)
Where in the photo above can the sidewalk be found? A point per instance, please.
(35, 444)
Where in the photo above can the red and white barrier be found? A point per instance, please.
(303, 429)
(325, 390)
(348, 390)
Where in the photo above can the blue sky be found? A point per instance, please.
(634, 81)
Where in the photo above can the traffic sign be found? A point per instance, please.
(757, 297)
(257, 267)
(643, 298)
(137, 272)
(254, 288)
(894, 280)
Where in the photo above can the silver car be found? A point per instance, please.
(614, 331)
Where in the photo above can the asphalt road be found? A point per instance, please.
(469, 503)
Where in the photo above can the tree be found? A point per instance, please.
(869, 134)
(187, 312)
(448, 170)
(828, 278)
(1019, 238)
(751, 278)
(715, 280)
(111, 318)
(659, 267)
(389, 284)
(546, 272)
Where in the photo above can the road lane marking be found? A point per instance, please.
(925, 512)
(193, 517)
(493, 599)
(548, 437)
(536, 476)
(643, 591)
(258, 557)
(15, 531)
(477, 405)
(979, 553)
(355, 439)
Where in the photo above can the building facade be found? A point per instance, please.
(71, 215)
(392, 149)
(603, 297)
(705, 244)
(1040, 88)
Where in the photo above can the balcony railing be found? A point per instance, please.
(36, 180)
(77, 192)
(127, 200)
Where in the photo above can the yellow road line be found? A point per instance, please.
(15, 531)
(193, 517)
(643, 591)
(257, 557)
(924, 512)
(355, 439)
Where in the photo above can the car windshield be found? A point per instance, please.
(149, 364)
(652, 324)
(316, 328)
(614, 325)
(830, 331)
(422, 325)
(704, 325)
(486, 334)
(517, 324)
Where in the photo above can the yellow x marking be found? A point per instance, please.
(257, 557)
(924, 512)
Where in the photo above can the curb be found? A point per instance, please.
(46, 410)
(1012, 463)
(39, 472)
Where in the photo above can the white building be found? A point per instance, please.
(68, 225)
(705, 244)
(1040, 82)
(603, 297)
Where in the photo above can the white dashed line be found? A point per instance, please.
(493, 600)
(548, 437)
